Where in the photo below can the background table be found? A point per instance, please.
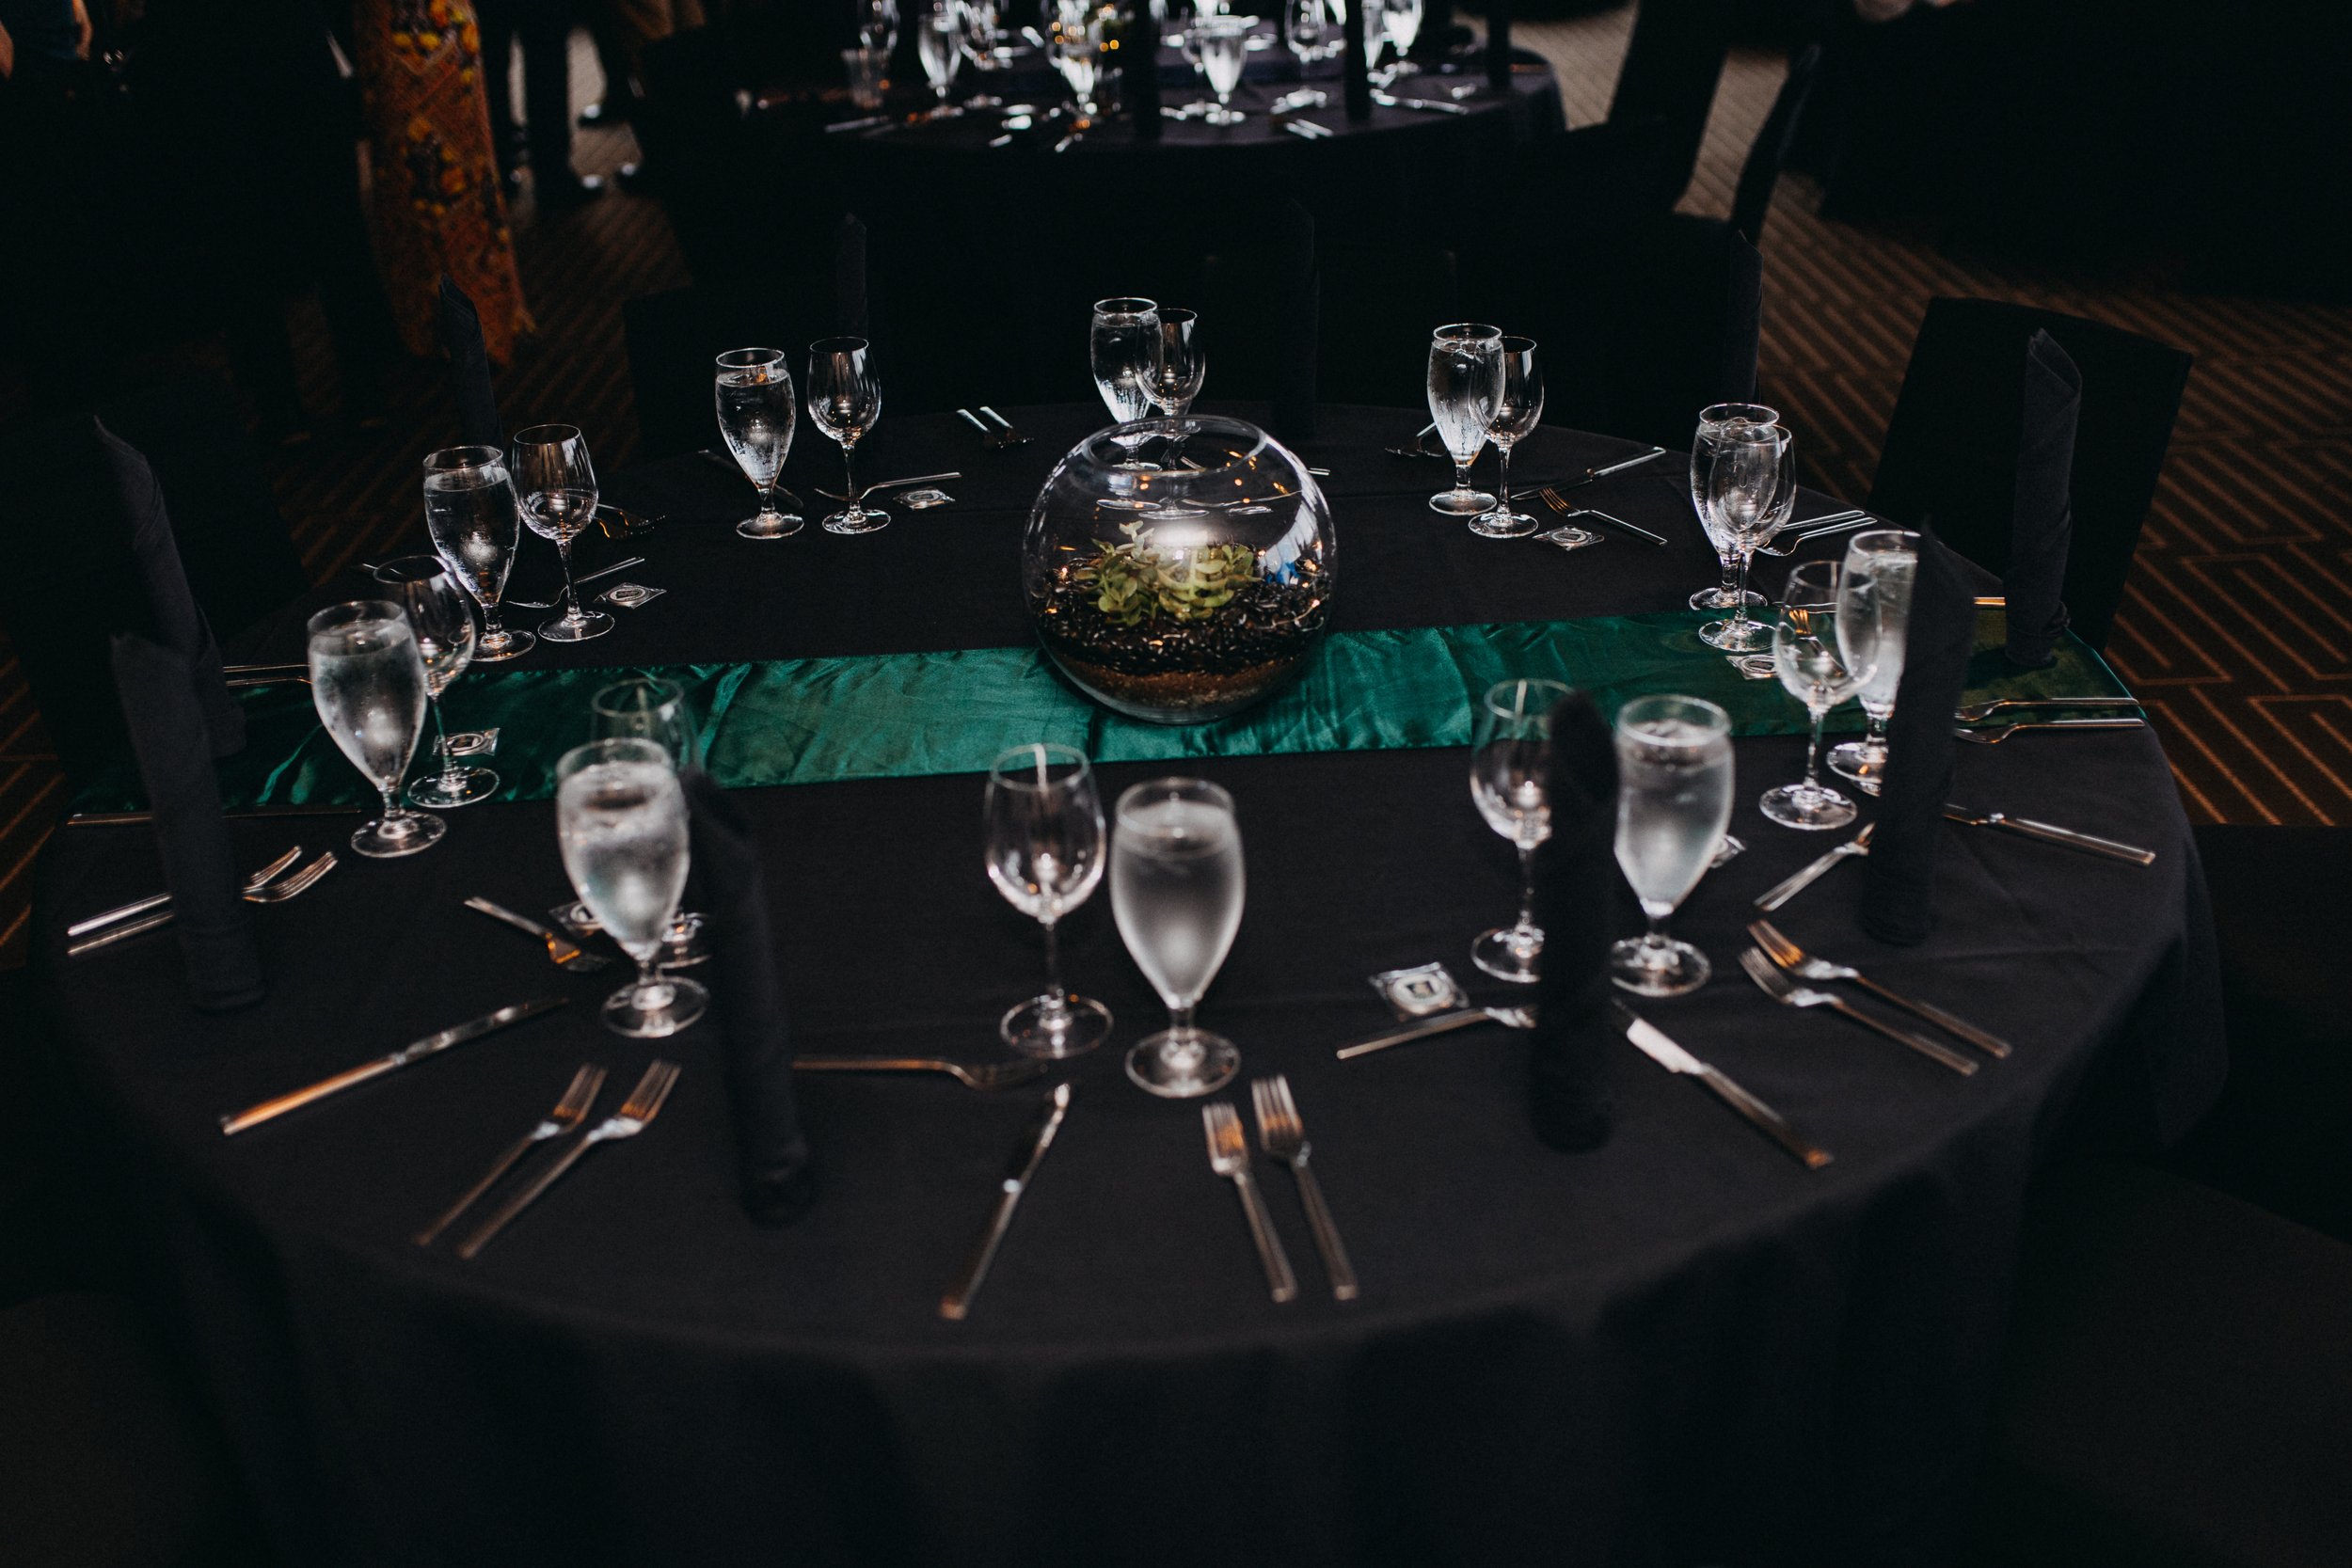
(1681, 1348)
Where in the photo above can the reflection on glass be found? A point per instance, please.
(757, 418)
(1826, 645)
(1511, 783)
(1883, 564)
(472, 516)
(1465, 390)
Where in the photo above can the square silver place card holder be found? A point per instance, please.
(1421, 991)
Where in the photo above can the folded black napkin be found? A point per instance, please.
(469, 368)
(1363, 30)
(850, 316)
(1301, 302)
(2042, 524)
(1898, 874)
(779, 1176)
(158, 603)
(169, 738)
(1575, 901)
(1141, 64)
(1499, 43)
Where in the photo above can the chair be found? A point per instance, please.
(1951, 445)
(1752, 200)
(1672, 67)
(715, 171)
(674, 340)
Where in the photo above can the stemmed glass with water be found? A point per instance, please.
(1713, 421)
(1121, 349)
(939, 44)
(845, 400)
(1465, 391)
(442, 621)
(1825, 647)
(472, 519)
(1177, 888)
(645, 708)
(1223, 43)
(756, 416)
(620, 819)
(1750, 490)
(1401, 20)
(1674, 801)
(1518, 410)
(1075, 47)
(1889, 559)
(1178, 363)
(1511, 783)
(368, 683)
(1044, 841)
(558, 487)
(1308, 26)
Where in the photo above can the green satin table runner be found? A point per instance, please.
(822, 721)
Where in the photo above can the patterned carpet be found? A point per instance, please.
(2236, 627)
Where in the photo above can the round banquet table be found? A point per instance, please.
(1681, 1348)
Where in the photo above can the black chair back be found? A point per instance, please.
(1672, 67)
(1952, 444)
(675, 340)
(1752, 203)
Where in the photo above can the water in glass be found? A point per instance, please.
(471, 517)
(757, 418)
(1177, 890)
(620, 818)
(1465, 390)
(1882, 563)
(1674, 801)
(368, 683)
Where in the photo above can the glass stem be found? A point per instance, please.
(648, 977)
(1057, 999)
(1503, 487)
(1527, 887)
(492, 631)
(571, 598)
(441, 739)
(1875, 741)
(1655, 937)
(848, 480)
(1462, 473)
(1740, 559)
(1732, 585)
(1179, 1022)
(1813, 754)
(391, 802)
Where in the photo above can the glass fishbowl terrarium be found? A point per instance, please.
(1178, 569)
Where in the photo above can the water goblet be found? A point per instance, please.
(441, 619)
(1517, 411)
(1887, 562)
(558, 487)
(1465, 390)
(1306, 25)
(1401, 20)
(645, 709)
(1075, 48)
(1750, 490)
(877, 25)
(1713, 420)
(1045, 854)
(472, 516)
(845, 400)
(1511, 783)
(1826, 645)
(1177, 888)
(368, 683)
(1673, 800)
(1121, 349)
(939, 44)
(1224, 45)
(757, 418)
(620, 820)
(1178, 363)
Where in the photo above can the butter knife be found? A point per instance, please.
(1439, 1023)
(1018, 1172)
(1660, 1047)
(269, 1109)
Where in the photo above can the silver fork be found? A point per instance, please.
(1012, 436)
(277, 892)
(561, 951)
(1993, 735)
(985, 1075)
(1797, 961)
(1782, 989)
(1228, 1156)
(252, 884)
(570, 1111)
(1976, 713)
(1818, 527)
(1283, 1135)
(1780, 892)
(637, 1112)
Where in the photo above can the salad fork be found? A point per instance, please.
(1993, 734)
(1786, 991)
(636, 1114)
(1283, 1135)
(256, 891)
(570, 1111)
(1228, 1156)
(561, 951)
(1800, 535)
(252, 884)
(1775, 897)
(1797, 961)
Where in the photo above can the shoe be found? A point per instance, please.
(563, 196)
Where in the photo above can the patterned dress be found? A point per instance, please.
(434, 185)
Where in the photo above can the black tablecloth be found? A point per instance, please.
(1682, 1348)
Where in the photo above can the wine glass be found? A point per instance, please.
(1517, 412)
(1308, 24)
(1176, 890)
(845, 400)
(442, 621)
(1178, 364)
(1401, 20)
(757, 418)
(980, 21)
(1826, 645)
(1075, 47)
(939, 44)
(368, 682)
(1224, 45)
(878, 25)
(470, 515)
(1465, 390)
(1121, 349)
(1045, 824)
(1674, 801)
(1713, 420)
(1888, 558)
(645, 709)
(558, 487)
(1511, 783)
(1750, 490)
(620, 818)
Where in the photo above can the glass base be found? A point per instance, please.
(1219, 115)
(649, 1012)
(458, 787)
(1736, 636)
(1502, 524)
(1863, 761)
(1720, 597)
(770, 525)
(1807, 806)
(398, 833)
(866, 519)
(1512, 952)
(1042, 1027)
(1182, 1067)
(684, 948)
(503, 646)
(1666, 968)
(577, 628)
(1461, 503)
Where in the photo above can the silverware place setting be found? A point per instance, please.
(416, 1051)
(260, 887)
(561, 951)
(1229, 1157)
(1661, 1048)
(972, 1075)
(1993, 734)
(582, 579)
(1780, 892)
(1801, 534)
(157, 901)
(2043, 832)
(1020, 1171)
(1440, 1023)
(1781, 989)
(1777, 946)
(644, 1102)
(1976, 713)
(1282, 1134)
(570, 1110)
(1551, 497)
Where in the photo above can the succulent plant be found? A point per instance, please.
(1135, 583)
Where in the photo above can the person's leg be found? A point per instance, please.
(544, 27)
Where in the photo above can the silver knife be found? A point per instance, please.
(1436, 1023)
(1025, 1155)
(1659, 1047)
(269, 1109)
(1591, 474)
(1391, 101)
(2027, 827)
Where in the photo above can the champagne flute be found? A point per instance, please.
(1888, 561)
(1177, 887)
(645, 708)
(845, 400)
(558, 486)
(620, 819)
(1750, 490)
(1511, 783)
(1465, 388)
(1224, 43)
(1674, 801)
(368, 682)
(1044, 842)
(470, 515)
(939, 44)
(1517, 411)
(1121, 345)
(756, 416)
(1178, 365)
(1713, 420)
(1825, 642)
(442, 622)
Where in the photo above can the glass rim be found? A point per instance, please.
(1466, 332)
(750, 359)
(1125, 304)
(406, 568)
(1718, 721)
(1518, 345)
(1904, 538)
(1053, 753)
(449, 459)
(845, 343)
(636, 683)
(1714, 412)
(1515, 710)
(1173, 786)
(1810, 573)
(351, 611)
(1177, 314)
(530, 435)
(609, 748)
